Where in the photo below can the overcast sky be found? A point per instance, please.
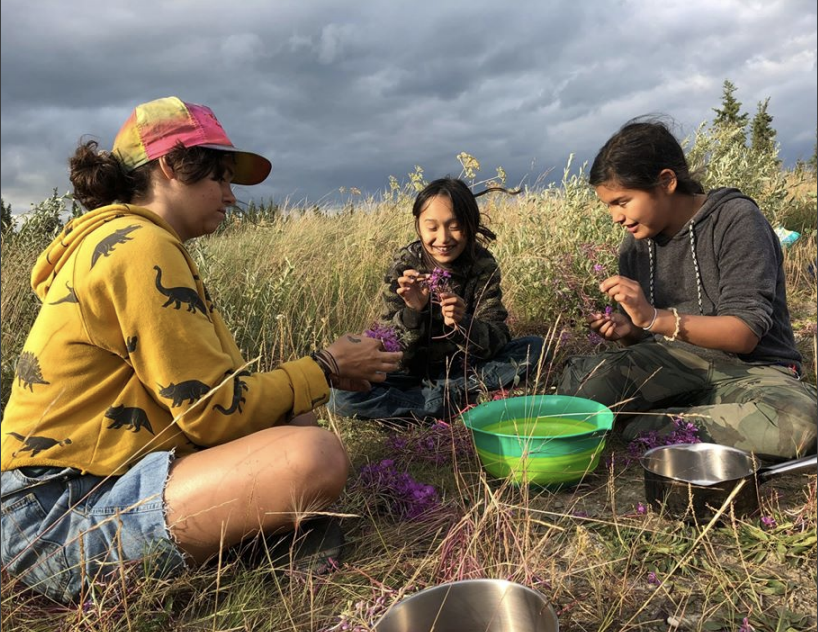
(347, 94)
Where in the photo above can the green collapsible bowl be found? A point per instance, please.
(542, 440)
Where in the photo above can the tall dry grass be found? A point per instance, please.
(295, 280)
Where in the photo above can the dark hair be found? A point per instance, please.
(464, 207)
(634, 156)
(99, 179)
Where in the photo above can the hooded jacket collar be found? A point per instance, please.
(54, 257)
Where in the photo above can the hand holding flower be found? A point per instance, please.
(453, 308)
(413, 290)
(628, 293)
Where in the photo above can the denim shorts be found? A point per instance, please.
(62, 531)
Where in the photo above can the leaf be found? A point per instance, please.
(773, 587)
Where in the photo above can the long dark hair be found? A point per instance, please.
(634, 156)
(99, 179)
(464, 207)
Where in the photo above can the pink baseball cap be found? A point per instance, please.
(157, 127)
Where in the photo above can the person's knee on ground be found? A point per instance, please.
(323, 467)
(265, 482)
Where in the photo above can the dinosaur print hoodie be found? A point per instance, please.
(129, 355)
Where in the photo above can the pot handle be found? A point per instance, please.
(796, 465)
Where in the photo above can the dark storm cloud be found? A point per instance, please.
(345, 96)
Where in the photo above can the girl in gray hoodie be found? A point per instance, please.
(702, 308)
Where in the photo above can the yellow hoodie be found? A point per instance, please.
(125, 353)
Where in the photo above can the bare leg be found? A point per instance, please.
(265, 481)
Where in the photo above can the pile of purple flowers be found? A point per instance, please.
(439, 443)
(438, 281)
(386, 334)
(396, 491)
(683, 432)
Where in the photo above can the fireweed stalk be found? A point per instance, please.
(438, 282)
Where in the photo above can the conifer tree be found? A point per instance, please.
(762, 134)
(730, 115)
(6, 219)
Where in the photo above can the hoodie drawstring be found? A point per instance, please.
(651, 257)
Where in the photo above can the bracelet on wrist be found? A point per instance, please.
(319, 358)
(677, 327)
(653, 320)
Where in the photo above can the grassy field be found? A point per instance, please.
(289, 280)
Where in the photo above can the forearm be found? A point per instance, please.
(724, 333)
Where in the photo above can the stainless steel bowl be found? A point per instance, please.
(472, 605)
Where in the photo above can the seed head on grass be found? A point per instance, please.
(360, 616)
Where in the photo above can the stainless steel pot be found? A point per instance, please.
(693, 480)
(487, 605)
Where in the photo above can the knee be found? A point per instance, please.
(323, 464)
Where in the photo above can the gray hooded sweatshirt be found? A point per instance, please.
(726, 261)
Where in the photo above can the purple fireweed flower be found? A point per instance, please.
(608, 310)
(683, 432)
(641, 509)
(768, 522)
(438, 281)
(397, 491)
(595, 338)
(386, 334)
(598, 267)
(652, 579)
(745, 626)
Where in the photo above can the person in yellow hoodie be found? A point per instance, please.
(135, 429)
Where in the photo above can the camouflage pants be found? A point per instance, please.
(763, 409)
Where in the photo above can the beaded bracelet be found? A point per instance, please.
(653, 320)
(678, 325)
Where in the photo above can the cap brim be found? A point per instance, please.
(250, 168)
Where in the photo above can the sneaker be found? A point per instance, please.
(317, 546)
